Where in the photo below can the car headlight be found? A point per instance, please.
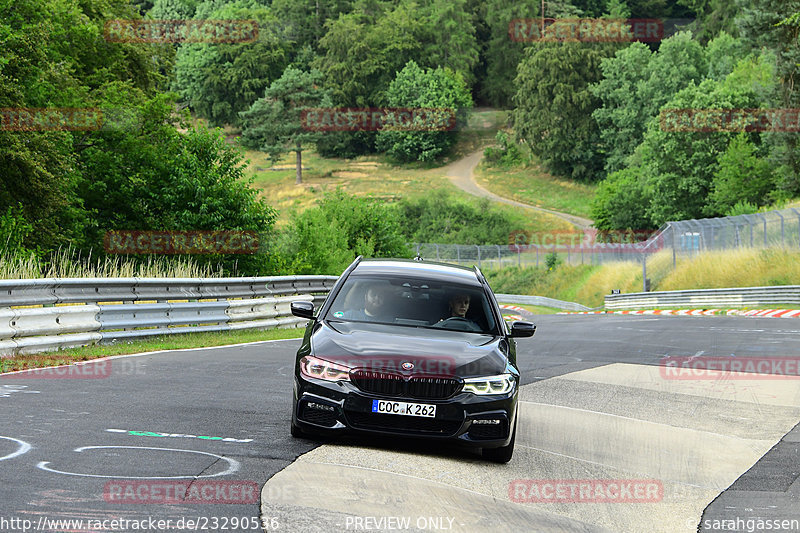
(502, 384)
(314, 367)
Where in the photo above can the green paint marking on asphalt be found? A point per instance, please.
(176, 435)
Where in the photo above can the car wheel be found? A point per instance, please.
(502, 454)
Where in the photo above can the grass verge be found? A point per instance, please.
(588, 284)
(164, 342)
(533, 186)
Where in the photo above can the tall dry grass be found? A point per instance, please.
(735, 268)
(69, 263)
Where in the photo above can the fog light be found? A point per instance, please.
(490, 421)
(321, 407)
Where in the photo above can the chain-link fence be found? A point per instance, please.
(780, 228)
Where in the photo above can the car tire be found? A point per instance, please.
(502, 454)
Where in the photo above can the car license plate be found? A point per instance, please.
(403, 408)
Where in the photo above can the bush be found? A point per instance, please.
(417, 88)
(327, 238)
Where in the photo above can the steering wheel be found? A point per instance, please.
(458, 322)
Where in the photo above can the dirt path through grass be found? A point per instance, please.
(462, 175)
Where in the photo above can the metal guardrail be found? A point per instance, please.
(540, 300)
(734, 297)
(76, 312)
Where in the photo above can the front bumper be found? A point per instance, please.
(324, 407)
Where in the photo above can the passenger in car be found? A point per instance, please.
(376, 306)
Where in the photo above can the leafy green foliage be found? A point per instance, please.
(742, 176)
(273, 124)
(327, 238)
(507, 154)
(635, 84)
(414, 88)
(619, 200)
(502, 54)
(440, 218)
(154, 177)
(221, 80)
(551, 261)
(554, 106)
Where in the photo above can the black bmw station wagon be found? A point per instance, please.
(409, 348)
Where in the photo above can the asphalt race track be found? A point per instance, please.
(115, 439)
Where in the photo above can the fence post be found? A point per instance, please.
(644, 271)
(765, 227)
(458, 253)
(796, 212)
(537, 256)
(783, 241)
(499, 257)
(479, 255)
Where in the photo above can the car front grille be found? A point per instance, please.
(403, 424)
(419, 387)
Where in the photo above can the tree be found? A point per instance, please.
(273, 124)
(771, 24)
(501, 53)
(742, 176)
(220, 80)
(620, 201)
(554, 106)
(153, 177)
(173, 9)
(325, 239)
(307, 18)
(440, 91)
(450, 41)
(634, 86)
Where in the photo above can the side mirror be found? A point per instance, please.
(522, 329)
(303, 309)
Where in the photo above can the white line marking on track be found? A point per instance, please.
(233, 465)
(24, 447)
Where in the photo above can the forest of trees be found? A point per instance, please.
(587, 111)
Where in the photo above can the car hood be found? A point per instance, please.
(379, 347)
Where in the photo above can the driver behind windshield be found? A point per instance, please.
(459, 305)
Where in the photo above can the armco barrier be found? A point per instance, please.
(115, 309)
(756, 297)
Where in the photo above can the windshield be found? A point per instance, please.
(413, 302)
